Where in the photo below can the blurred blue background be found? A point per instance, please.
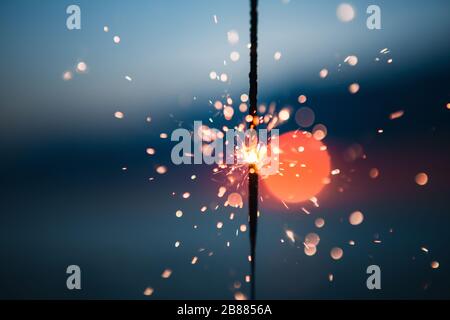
(66, 199)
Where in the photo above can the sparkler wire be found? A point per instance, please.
(253, 174)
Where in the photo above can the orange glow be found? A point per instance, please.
(301, 174)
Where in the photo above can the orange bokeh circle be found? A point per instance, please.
(304, 168)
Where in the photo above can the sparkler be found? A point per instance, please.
(253, 174)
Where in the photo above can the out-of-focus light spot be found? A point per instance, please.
(323, 73)
(345, 12)
(161, 169)
(305, 117)
(219, 225)
(239, 296)
(106, 29)
(302, 98)
(128, 78)
(243, 228)
(186, 195)
(177, 244)
(353, 88)
(319, 222)
(356, 218)
(150, 151)
(166, 274)
(235, 200)
(421, 179)
(224, 77)
(218, 105)
(119, 115)
(81, 67)
(396, 115)
(284, 115)
(213, 75)
(228, 112)
(116, 39)
(194, 260)
(336, 253)
(320, 132)
(310, 250)
(312, 239)
(277, 55)
(234, 56)
(351, 60)
(67, 76)
(434, 264)
(244, 97)
(374, 173)
(233, 37)
(148, 291)
(163, 135)
(179, 213)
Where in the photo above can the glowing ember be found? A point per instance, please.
(356, 218)
(421, 179)
(336, 253)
